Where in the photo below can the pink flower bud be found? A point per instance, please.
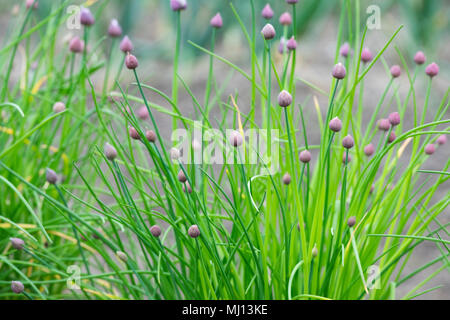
(284, 99)
(86, 17)
(150, 135)
(335, 124)
(348, 142)
(133, 133)
(369, 150)
(419, 58)
(268, 32)
(394, 118)
(351, 221)
(126, 45)
(339, 71)
(131, 62)
(344, 50)
(429, 149)
(267, 12)
(17, 243)
(441, 140)
(178, 5)
(286, 19)
(114, 29)
(110, 152)
(194, 231)
(432, 70)
(392, 137)
(187, 186)
(59, 107)
(282, 45)
(291, 1)
(366, 55)
(76, 45)
(31, 3)
(51, 176)
(155, 231)
(286, 178)
(305, 156)
(236, 139)
(216, 21)
(142, 113)
(181, 176)
(291, 44)
(395, 71)
(17, 287)
(384, 124)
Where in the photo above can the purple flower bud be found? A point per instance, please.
(178, 5)
(291, 1)
(267, 12)
(17, 243)
(432, 70)
(348, 142)
(122, 256)
(339, 71)
(286, 19)
(394, 118)
(150, 135)
(86, 17)
(384, 124)
(366, 55)
(142, 113)
(335, 124)
(419, 58)
(392, 137)
(291, 44)
(305, 156)
(155, 231)
(126, 45)
(187, 186)
(236, 139)
(395, 71)
(351, 221)
(369, 149)
(286, 178)
(344, 50)
(51, 176)
(17, 287)
(133, 133)
(110, 152)
(76, 45)
(441, 140)
(114, 29)
(268, 32)
(346, 158)
(31, 3)
(194, 231)
(284, 99)
(181, 176)
(59, 107)
(131, 62)
(429, 149)
(216, 21)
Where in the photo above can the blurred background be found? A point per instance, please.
(151, 26)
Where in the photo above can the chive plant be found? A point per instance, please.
(126, 211)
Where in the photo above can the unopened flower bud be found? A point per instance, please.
(268, 32)
(31, 3)
(344, 50)
(17, 287)
(366, 55)
(175, 154)
(314, 252)
(110, 152)
(133, 133)
(216, 21)
(236, 139)
(441, 140)
(181, 176)
(178, 5)
(291, 1)
(267, 12)
(419, 58)
(351, 221)
(305, 156)
(432, 70)
(348, 142)
(286, 178)
(131, 62)
(429, 149)
(187, 187)
(339, 71)
(384, 124)
(155, 231)
(126, 45)
(142, 113)
(392, 137)
(369, 150)
(150, 135)
(17, 243)
(114, 29)
(396, 71)
(59, 107)
(291, 45)
(284, 99)
(51, 176)
(285, 19)
(394, 118)
(76, 45)
(86, 17)
(335, 124)
(193, 231)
